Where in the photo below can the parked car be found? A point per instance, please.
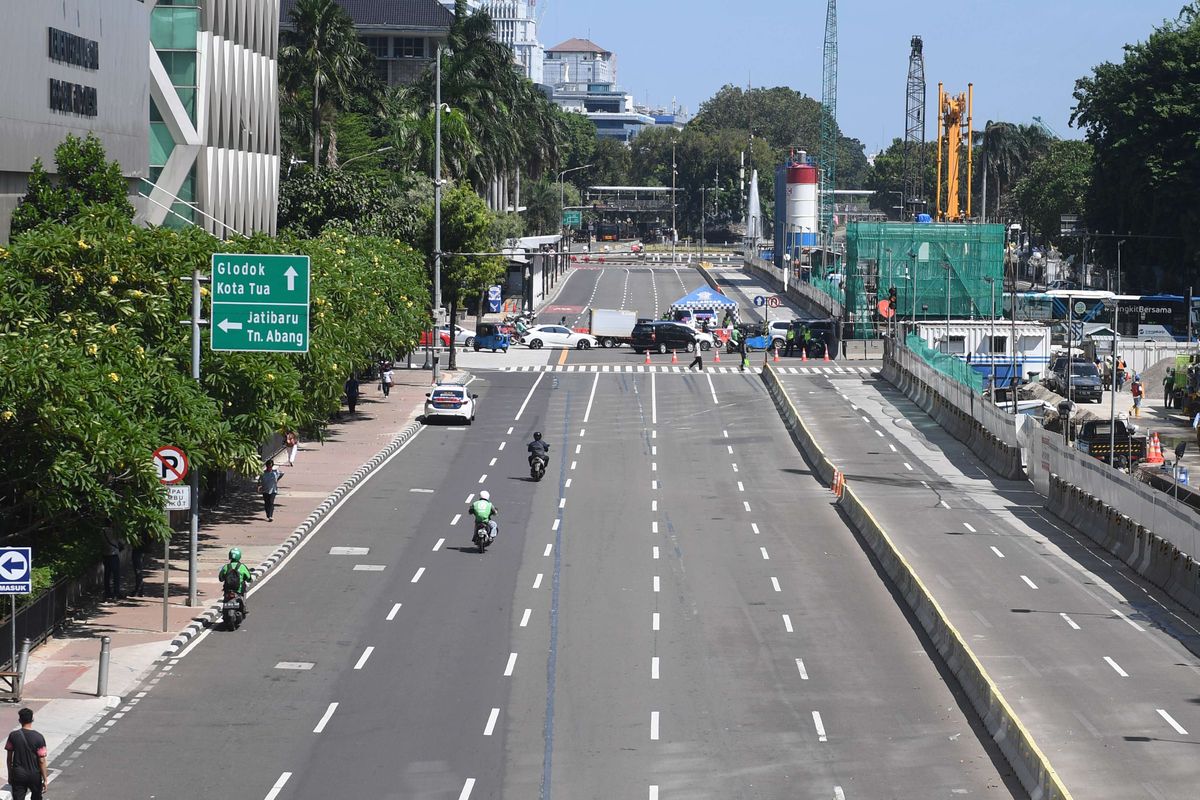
(450, 401)
(1084, 379)
(462, 336)
(556, 336)
(443, 338)
(665, 336)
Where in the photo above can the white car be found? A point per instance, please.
(556, 336)
(462, 336)
(450, 401)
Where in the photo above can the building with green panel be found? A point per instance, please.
(934, 267)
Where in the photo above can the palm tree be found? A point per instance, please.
(1007, 150)
(322, 64)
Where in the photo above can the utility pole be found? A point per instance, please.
(437, 213)
(674, 230)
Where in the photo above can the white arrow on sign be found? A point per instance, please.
(291, 276)
(13, 566)
(227, 326)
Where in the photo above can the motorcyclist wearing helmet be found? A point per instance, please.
(236, 576)
(483, 511)
(538, 448)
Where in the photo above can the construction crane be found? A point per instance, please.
(1053, 134)
(913, 199)
(829, 129)
(952, 111)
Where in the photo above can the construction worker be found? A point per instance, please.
(1136, 391)
(790, 340)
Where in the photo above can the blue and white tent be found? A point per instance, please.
(705, 302)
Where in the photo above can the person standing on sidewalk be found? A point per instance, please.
(26, 748)
(268, 487)
(351, 389)
(112, 562)
(291, 441)
(137, 558)
(387, 378)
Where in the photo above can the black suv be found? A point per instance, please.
(663, 336)
(1085, 379)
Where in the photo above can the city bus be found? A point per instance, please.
(608, 231)
(1160, 317)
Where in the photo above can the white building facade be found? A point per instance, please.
(514, 23)
(214, 115)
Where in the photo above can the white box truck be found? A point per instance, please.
(612, 327)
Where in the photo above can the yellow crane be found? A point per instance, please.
(951, 113)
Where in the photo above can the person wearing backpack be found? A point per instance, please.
(235, 576)
(1137, 392)
(26, 748)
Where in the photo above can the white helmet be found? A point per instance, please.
(484, 495)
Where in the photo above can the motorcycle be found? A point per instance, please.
(537, 467)
(482, 537)
(231, 610)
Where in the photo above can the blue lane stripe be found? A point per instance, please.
(552, 659)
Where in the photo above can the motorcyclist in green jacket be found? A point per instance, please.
(236, 576)
(483, 511)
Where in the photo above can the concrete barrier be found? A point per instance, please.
(1151, 556)
(1030, 764)
(1004, 459)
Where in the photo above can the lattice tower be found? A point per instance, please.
(914, 133)
(829, 128)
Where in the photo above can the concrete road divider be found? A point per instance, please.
(1015, 741)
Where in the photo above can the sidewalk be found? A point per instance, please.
(61, 678)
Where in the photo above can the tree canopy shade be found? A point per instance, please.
(1142, 118)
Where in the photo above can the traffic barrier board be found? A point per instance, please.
(260, 303)
(16, 570)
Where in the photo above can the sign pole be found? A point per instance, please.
(194, 523)
(166, 576)
(12, 625)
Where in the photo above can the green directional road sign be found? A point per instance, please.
(572, 218)
(260, 303)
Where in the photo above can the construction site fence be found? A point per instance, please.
(949, 366)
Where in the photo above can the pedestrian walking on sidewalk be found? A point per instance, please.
(1136, 391)
(268, 487)
(698, 361)
(292, 442)
(27, 773)
(386, 379)
(351, 389)
(137, 557)
(112, 562)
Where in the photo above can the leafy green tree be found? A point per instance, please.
(1142, 117)
(368, 204)
(84, 178)
(611, 162)
(578, 144)
(1006, 150)
(542, 205)
(1055, 184)
(886, 177)
(322, 66)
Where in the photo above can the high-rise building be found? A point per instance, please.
(583, 77)
(514, 23)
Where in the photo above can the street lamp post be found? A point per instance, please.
(437, 213)
(1119, 243)
(562, 197)
(674, 230)
(1015, 229)
(1112, 388)
(365, 155)
(992, 335)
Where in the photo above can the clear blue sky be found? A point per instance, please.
(1022, 55)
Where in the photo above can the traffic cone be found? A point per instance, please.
(674, 357)
(826, 355)
(803, 354)
(716, 355)
(776, 355)
(1154, 453)
(647, 356)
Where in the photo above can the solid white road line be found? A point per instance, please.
(491, 723)
(537, 581)
(763, 550)
(512, 662)
(466, 790)
(787, 623)
(439, 544)
(1069, 621)
(549, 550)
(417, 575)
(521, 411)
(775, 584)
(1161, 712)
(363, 658)
(525, 617)
(967, 525)
(712, 389)
(325, 718)
(588, 413)
(654, 621)
(395, 610)
(654, 726)
(996, 550)
(803, 671)
(653, 401)
(1127, 619)
(654, 668)
(1116, 667)
(657, 584)
(283, 779)
(820, 727)
(1032, 585)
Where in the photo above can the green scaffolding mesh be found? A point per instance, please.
(950, 366)
(921, 261)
